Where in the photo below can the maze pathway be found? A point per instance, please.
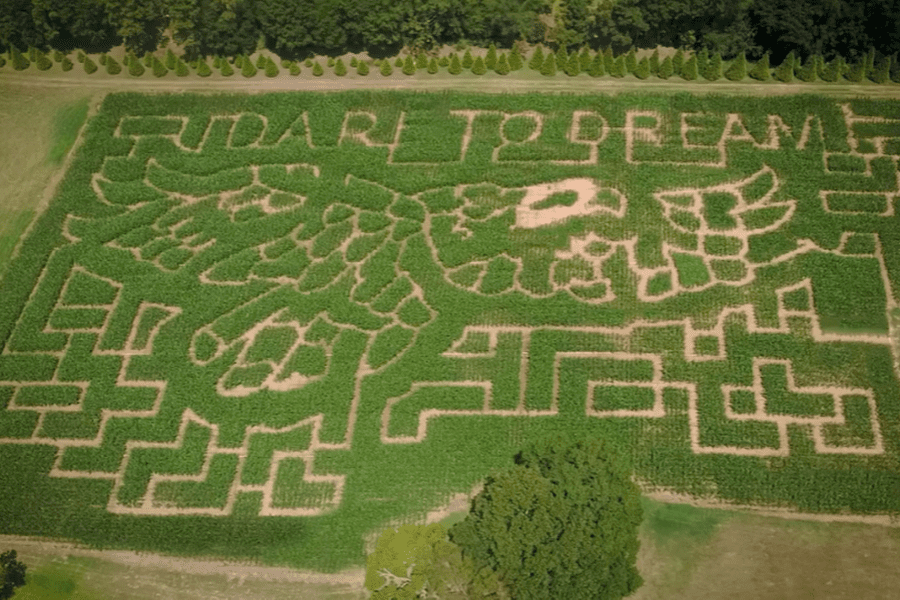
(228, 297)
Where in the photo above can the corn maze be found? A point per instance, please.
(348, 307)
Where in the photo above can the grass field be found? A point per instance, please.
(406, 288)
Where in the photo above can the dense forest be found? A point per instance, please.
(297, 28)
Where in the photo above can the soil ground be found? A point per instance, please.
(687, 552)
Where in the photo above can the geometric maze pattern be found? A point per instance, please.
(617, 384)
(50, 400)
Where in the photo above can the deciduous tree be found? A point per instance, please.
(562, 522)
(12, 574)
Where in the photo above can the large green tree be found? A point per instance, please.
(74, 23)
(17, 26)
(227, 28)
(561, 523)
(140, 23)
(293, 25)
(415, 561)
(12, 574)
(504, 21)
(827, 27)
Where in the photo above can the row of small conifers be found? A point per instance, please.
(687, 66)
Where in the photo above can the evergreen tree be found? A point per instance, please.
(631, 60)
(2, 62)
(702, 61)
(689, 69)
(444, 61)
(562, 56)
(737, 70)
(585, 59)
(399, 62)
(478, 66)
(882, 71)
(537, 60)
(869, 62)
(217, 62)
(785, 71)
(181, 69)
(386, 68)
(362, 68)
(455, 67)
(678, 62)
(261, 62)
(340, 69)
(170, 59)
(248, 69)
(609, 60)
(226, 68)
(79, 56)
(760, 70)
(666, 69)
(353, 62)
(239, 62)
(432, 66)
(502, 67)
(112, 67)
(833, 71)
(490, 59)
(271, 68)
(573, 65)
(203, 69)
(809, 72)
(597, 69)
(654, 62)
(642, 70)
(90, 67)
(713, 68)
(549, 68)
(857, 72)
(20, 63)
(43, 63)
(317, 69)
(285, 63)
(618, 69)
(467, 60)
(148, 60)
(329, 62)
(57, 56)
(409, 66)
(67, 65)
(159, 69)
(421, 61)
(515, 58)
(101, 60)
(309, 63)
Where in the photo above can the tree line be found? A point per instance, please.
(299, 28)
(295, 28)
